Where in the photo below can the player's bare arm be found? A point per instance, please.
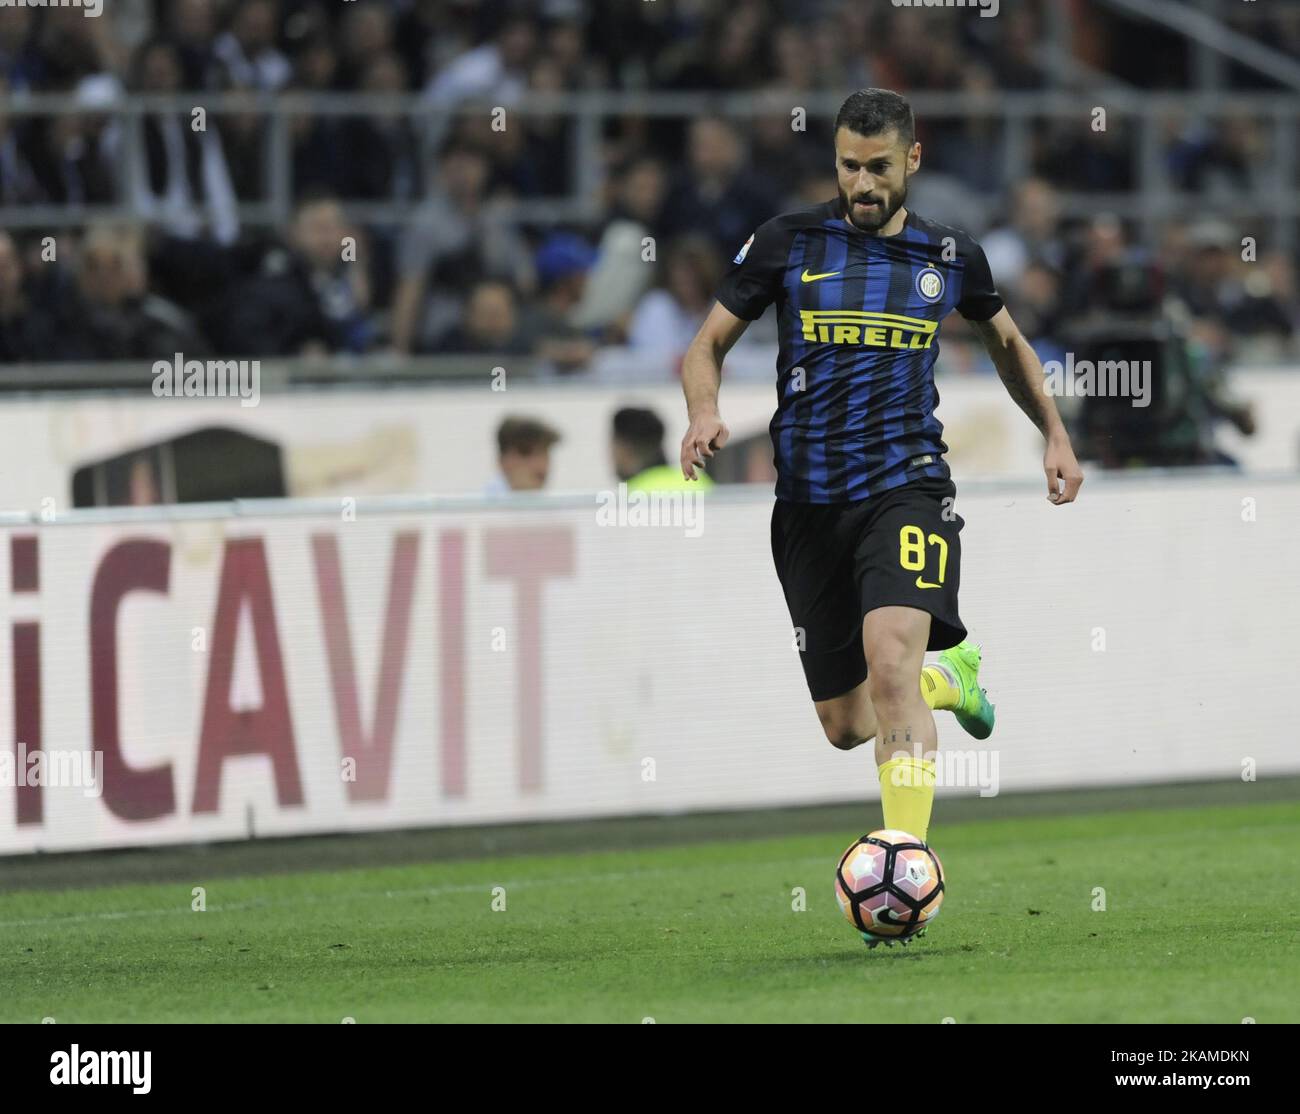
(1022, 375)
(701, 377)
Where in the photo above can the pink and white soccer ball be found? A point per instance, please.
(889, 884)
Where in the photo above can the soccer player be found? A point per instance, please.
(864, 532)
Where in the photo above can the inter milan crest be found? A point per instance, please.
(929, 284)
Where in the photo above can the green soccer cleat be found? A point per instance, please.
(974, 713)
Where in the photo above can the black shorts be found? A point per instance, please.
(837, 561)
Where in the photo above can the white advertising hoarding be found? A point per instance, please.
(277, 673)
(408, 441)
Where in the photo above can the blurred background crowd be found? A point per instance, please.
(132, 235)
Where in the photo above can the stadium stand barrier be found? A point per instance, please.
(351, 439)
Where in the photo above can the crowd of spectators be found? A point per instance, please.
(675, 197)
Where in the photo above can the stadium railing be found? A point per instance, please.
(1274, 195)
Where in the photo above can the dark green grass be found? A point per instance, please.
(1200, 926)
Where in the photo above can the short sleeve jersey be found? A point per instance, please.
(858, 328)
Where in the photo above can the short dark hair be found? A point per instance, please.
(876, 111)
(642, 430)
(523, 435)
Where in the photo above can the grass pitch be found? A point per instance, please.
(1200, 925)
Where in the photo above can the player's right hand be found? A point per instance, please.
(707, 434)
(1061, 466)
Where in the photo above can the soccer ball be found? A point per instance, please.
(889, 885)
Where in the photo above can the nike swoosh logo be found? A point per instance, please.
(813, 278)
(922, 584)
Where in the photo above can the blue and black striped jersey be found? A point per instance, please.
(858, 323)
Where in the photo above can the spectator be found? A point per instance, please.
(1203, 285)
(247, 55)
(1280, 283)
(968, 149)
(714, 198)
(192, 29)
(307, 298)
(523, 454)
(243, 145)
(383, 149)
(731, 54)
(1105, 244)
(1014, 62)
(27, 333)
(533, 158)
(366, 34)
(77, 151)
(1037, 303)
(628, 42)
(73, 48)
(19, 184)
(430, 33)
(181, 180)
(917, 54)
(843, 43)
(461, 274)
(623, 270)
(113, 316)
(786, 155)
(1097, 161)
(321, 160)
(1030, 234)
(1219, 158)
(637, 450)
(22, 68)
(793, 59)
(450, 243)
(562, 265)
(667, 319)
(1260, 309)
(1244, 304)
(495, 71)
(490, 324)
(566, 51)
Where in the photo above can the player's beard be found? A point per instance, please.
(873, 222)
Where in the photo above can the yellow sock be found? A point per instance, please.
(907, 794)
(938, 689)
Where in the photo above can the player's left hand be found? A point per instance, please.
(1060, 465)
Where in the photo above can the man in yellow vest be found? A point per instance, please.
(638, 449)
